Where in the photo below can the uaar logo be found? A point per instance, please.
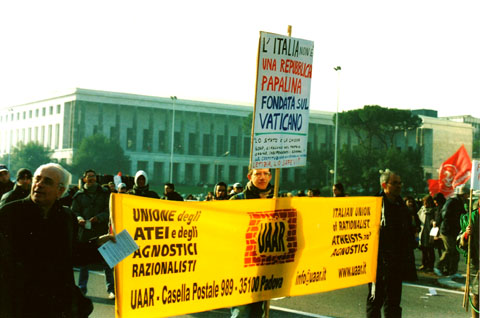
(271, 237)
(450, 178)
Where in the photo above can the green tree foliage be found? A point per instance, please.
(101, 154)
(376, 128)
(30, 156)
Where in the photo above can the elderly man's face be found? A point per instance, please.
(4, 176)
(46, 188)
(393, 186)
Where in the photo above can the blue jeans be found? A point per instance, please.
(83, 279)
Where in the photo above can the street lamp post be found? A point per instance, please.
(337, 69)
(173, 98)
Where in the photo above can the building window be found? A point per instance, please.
(162, 145)
(57, 136)
(204, 173)
(192, 144)
(246, 146)
(158, 172)
(59, 107)
(49, 136)
(36, 112)
(189, 173)
(220, 148)
(114, 133)
(25, 115)
(233, 146)
(44, 111)
(30, 114)
(51, 110)
(130, 139)
(18, 116)
(206, 150)
(178, 143)
(232, 174)
(147, 140)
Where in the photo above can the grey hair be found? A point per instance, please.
(65, 176)
(385, 175)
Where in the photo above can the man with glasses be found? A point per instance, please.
(395, 261)
(38, 249)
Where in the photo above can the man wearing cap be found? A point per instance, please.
(21, 189)
(5, 183)
(122, 188)
(237, 188)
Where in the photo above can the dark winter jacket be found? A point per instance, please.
(16, 194)
(36, 259)
(87, 204)
(451, 211)
(5, 187)
(397, 239)
(252, 192)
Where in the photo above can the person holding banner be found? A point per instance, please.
(38, 248)
(258, 187)
(396, 262)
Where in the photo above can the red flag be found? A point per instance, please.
(454, 171)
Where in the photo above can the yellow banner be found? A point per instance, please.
(198, 256)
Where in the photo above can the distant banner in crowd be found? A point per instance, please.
(282, 102)
(198, 256)
(454, 172)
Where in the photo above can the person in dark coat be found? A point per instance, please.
(449, 230)
(170, 193)
(38, 249)
(426, 215)
(439, 200)
(395, 261)
(5, 183)
(21, 189)
(91, 206)
(141, 187)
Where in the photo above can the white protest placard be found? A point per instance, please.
(475, 181)
(282, 102)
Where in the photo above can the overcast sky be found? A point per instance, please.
(403, 54)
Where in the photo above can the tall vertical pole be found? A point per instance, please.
(337, 69)
(174, 98)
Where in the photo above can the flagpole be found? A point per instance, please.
(467, 278)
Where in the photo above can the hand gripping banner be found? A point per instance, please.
(198, 256)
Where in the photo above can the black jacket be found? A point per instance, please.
(252, 192)
(88, 205)
(144, 192)
(5, 187)
(397, 239)
(16, 194)
(451, 212)
(36, 260)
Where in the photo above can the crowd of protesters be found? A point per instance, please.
(434, 224)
